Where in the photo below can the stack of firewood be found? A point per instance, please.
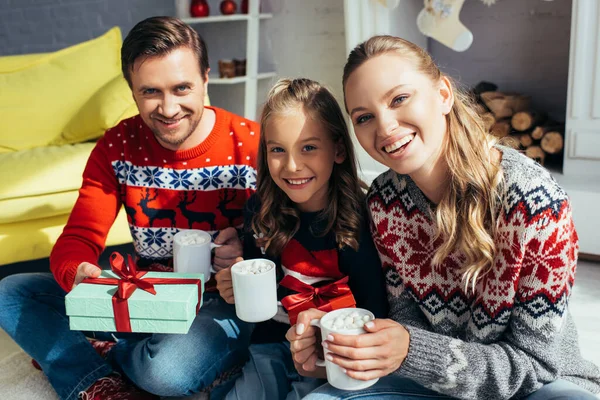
(510, 114)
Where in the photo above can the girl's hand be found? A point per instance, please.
(225, 283)
(372, 355)
(231, 248)
(303, 344)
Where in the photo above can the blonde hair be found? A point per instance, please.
(278, 219)
(466, 214)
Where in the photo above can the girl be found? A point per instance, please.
(477, 242)
(308, 216)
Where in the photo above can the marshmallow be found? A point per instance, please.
(254, 268)
(347, 321)
(193, 238)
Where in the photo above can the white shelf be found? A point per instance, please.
(248, 31)
(223, 18)
(214, 79)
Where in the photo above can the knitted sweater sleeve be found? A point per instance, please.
(538, 328)
(95, 210)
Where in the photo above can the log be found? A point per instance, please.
(539, 131)
(488, 120)
(536, 153)
(484, 86)
(520, 102)
(552, 142)
(525, 139)
(525, 120)
(504, 105)
(501, 128)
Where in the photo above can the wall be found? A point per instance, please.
(37, 26)
(521, 45)
(306, 38)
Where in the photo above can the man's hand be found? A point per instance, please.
(225, 283)
(86, 270)
(231, 248)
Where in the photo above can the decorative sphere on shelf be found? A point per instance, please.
(244, 7)
(228, 7)
(199, 8)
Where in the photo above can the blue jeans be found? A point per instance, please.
(397, 388)
(32, 312)
(270, 375)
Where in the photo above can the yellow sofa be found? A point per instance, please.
(53, 107)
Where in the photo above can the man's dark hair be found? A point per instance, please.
(158, 36)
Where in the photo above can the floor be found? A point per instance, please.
(584, 306)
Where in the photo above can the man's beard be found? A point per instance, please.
(175, 141)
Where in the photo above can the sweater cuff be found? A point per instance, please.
(68, 276)
(427, 356)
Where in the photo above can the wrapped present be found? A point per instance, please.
(326, 298)
(125, 300)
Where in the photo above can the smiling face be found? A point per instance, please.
(398, 113)
(300, 157)
(169, 92)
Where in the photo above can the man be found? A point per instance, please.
(177, 165)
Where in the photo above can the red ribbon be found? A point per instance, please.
(327, 298)
(129, 280)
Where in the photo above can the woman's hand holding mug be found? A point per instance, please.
(373, 355)
(365, 357)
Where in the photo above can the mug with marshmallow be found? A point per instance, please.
(192, 249)
(254, 289)
(345, 321)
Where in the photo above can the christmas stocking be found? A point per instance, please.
(439, 20)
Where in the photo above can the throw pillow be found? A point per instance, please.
(110, 104)
(39, 98)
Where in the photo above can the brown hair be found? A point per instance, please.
(278, 219)
(465, 216)
(158, 36)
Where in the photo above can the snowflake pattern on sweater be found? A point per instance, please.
(162, 191)
(515, 325)
(156, 243)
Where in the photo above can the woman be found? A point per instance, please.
(477, 243)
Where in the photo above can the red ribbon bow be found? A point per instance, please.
(129, 280)
(326, 298)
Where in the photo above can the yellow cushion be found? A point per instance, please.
(42, 170)
(112, 103)
(38, 99)
(11, 63)
(36, 207)
(34, 239)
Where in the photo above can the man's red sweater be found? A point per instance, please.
(162, 191)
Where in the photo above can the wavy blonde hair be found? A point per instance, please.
(278, 219)
(466, 215)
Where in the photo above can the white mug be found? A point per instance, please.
(193, 257)
(255, 293)
(335, 375)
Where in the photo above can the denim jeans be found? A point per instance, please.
(397, 388)
(270, 375)
(32, 312)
